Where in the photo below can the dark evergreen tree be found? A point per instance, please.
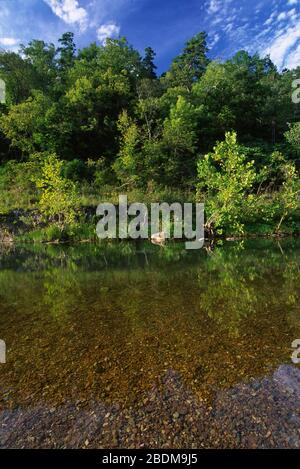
(148, 63)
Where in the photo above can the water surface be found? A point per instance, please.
(129, 345)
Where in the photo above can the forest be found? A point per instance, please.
(81, 126)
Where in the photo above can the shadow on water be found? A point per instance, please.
(136, 331)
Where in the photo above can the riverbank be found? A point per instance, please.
(28, 226)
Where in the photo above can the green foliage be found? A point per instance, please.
(17, 190)
(41, 57)
(120, 57)
(287, 198)
(277, 197)
(190, 65)
(108, 120)
(58, 196)
(54, 233)
(24, 125)
(239, 94)
(293, 137)
(179, 140)
(75, 170)
(148, 63)
(19, 77)
(127, 165)
(226, 179)
(66, 52)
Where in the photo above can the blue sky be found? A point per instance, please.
(266, 26)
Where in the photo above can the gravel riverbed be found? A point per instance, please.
(262, 413)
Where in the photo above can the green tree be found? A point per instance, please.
(148, 106)
(42, 57)
(148, 63)
(293, 137)
(122, 59)
(225, 179)
(179, 142)
(92, 106)
(238, 94)
(66, 52)
(58, 196)
(19, 77)
(128, 165)
(287, 198)
(190, 65)
(24, 124)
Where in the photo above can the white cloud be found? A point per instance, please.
(293, 60)
(8, 41)
(213, 41)
(107, 30)
(270, 19)
(280, 50)
(292, 2)
(213, 6)
(282, 16)
(69, 11)
(292, 14)
(217, 6)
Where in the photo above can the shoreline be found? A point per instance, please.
(27, 227)
(169, 415)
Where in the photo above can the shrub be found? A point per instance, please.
(58, 196)
(75, 170)
(17, 190)
(225, 179)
